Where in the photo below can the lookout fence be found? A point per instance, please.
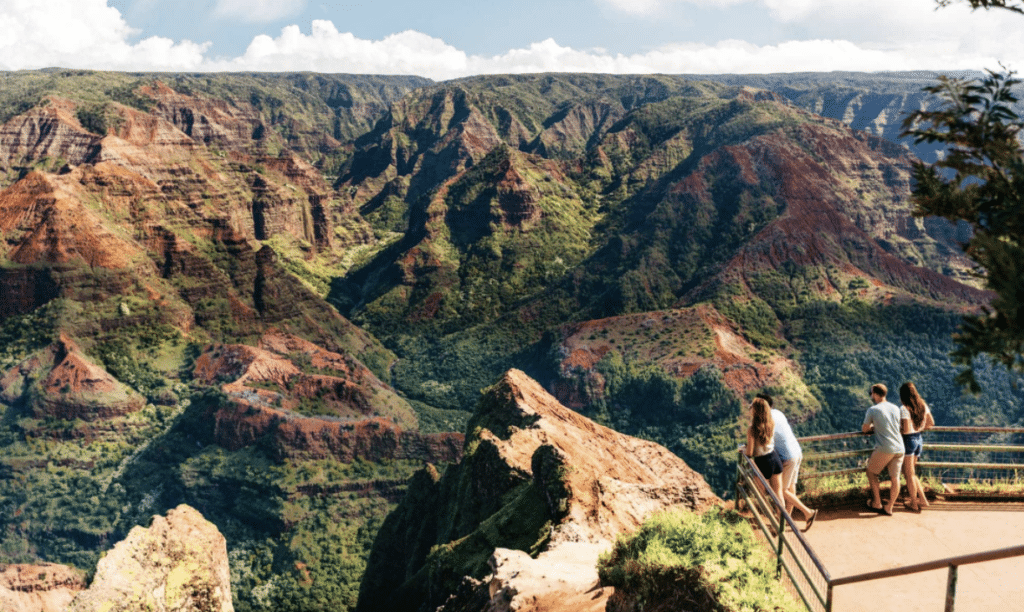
(974, 460)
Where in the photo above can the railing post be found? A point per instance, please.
(951, 588)
(739, 477)
(828, 599)
(782, 526)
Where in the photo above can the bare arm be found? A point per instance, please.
(929, 420)
(906, 426)
(749, 450)
(868, 427)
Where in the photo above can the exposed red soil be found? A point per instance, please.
(351, 393)
(50, 130)
(44, 220)
(71, 386)
(43, 587)
(371, 439)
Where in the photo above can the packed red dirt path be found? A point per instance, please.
(851, 541)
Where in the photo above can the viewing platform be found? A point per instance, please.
(852, 542)
(965, 552)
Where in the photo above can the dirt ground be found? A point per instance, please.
(851, 542)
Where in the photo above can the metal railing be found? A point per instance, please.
(794, 556)
(951, 454)
(953, 563)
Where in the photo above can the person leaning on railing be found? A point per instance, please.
(791, 455)
(916, 417)
(761, 445)
(884, 420)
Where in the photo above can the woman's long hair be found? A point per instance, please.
(762, 427)
(912, 400)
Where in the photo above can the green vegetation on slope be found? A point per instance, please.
(846, 348)
(299, 533)
(479, 294)
(685, 561)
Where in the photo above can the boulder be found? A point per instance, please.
(177, 564)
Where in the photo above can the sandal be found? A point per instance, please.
(880, 510)
(810, 521)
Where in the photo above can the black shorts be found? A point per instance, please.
(769, 464)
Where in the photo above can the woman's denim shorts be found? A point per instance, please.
(913, 444)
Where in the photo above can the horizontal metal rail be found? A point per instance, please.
(990, 555)
(840, 455)
(968, 465)
(957, 429)
(943, 454)
(975, 448)
(937, 429)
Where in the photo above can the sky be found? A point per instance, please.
(445, 40)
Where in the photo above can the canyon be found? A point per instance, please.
(321, 309)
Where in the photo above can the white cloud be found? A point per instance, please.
(258, 11)
(728, 57)
(910, 32)
(325, 49)
(90, 34)
(83, 34)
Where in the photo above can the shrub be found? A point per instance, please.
(696, 562)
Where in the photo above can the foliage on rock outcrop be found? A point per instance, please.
(685, 561)
(448, 526)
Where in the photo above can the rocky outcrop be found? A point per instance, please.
(61, 382)
(558, 580)
(298, 437)
(280, 208)
(207, 121)
(538, 478)
(44, 587)
(50, 131)
(286, 373)
(310, 403)
(178, 564)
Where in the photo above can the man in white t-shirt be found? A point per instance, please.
(883, 419)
